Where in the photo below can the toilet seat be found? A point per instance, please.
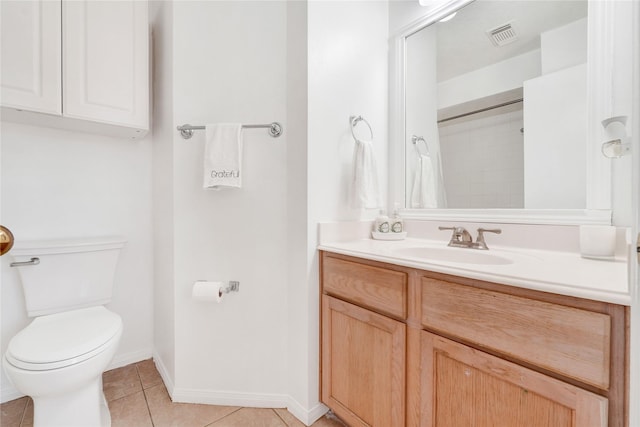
(63, 339)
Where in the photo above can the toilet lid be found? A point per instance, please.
(63, 339)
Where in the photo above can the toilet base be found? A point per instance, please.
(86, 407)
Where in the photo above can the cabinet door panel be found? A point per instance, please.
(363, 365)
(106, 61)
(462, 386)
(31, 56)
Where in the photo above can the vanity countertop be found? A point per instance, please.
(563, 273)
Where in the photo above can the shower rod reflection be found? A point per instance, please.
(482, 110)
(275, 129)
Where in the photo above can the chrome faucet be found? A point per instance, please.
(462, 239)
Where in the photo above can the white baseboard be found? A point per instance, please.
(229, 398)
(164, 374)
(120, 360)
(307, 417)
(252, 400)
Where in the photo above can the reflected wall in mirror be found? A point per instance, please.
(496, 108)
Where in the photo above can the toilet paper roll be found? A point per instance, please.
(207, 291)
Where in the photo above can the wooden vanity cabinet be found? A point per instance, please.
(363, 346)
(407, 347)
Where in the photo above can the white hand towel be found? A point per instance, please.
(223, 156)
(424, 192)
(365, 192)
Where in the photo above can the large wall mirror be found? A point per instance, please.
(494, 107)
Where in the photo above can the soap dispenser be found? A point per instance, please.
(382, 222)
(397, 225)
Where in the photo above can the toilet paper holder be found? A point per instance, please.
(233, 286)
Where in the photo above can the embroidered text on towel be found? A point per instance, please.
(225, 174)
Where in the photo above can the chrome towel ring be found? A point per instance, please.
(415, 139)
(353, 121)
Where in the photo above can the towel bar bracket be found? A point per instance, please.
(186, 131)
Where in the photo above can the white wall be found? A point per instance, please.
(564, 46)
(229, 65)
(161, 18)
(247, 62)
(58, 184)
(348, 75)
(302, 353)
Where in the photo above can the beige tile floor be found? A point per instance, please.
(137, 397)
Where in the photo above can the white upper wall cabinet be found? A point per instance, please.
(105, 45)
(31, 56)
(90, 59)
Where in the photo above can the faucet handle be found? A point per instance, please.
(480, 243)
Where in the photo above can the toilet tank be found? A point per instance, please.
(70, 274)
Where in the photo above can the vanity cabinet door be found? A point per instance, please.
(31, 56)
(363, 365)
(106, 55)
(462, 386)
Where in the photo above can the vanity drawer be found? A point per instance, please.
(372, 287)
(569, 341)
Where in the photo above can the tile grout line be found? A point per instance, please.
(24, 411)
(286, 424)
(144, 394)
(212, 424)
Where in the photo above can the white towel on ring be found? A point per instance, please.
(365, 192)
(223, 156)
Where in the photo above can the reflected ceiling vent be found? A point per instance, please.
(502, 35)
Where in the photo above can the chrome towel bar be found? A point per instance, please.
(275, 129)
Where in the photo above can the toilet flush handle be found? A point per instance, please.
(33, 261)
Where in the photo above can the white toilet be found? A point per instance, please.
(59, 358)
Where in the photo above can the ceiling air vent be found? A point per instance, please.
(502, 35)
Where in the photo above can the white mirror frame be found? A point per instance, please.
(599, 75)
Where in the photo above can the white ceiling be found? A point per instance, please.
(463, 45)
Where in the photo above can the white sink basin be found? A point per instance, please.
(457, 255)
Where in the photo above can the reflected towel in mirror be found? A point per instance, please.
(428, 188)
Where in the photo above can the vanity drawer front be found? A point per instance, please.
(572, 342)
(372, 287)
